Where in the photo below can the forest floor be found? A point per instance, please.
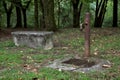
(23, 63)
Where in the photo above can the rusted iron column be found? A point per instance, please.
(87, 34)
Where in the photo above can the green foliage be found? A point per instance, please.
(108, 16)
(92, 11)
(114, 43)
(66, 14)
(6, 44)
(24, 2)
(119, 13)
(10, 59)
(8, 4)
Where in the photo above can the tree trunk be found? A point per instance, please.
(42, 18)
(0, 15)
(77, 6)
(100, 12)
(75, 16)
(19, 17)
(59, 13)
(36, 13)
(48, 6)
(0, 19)
(115, 13)
(24, 18)
(8, 20)
(24, 9)
(8, 11)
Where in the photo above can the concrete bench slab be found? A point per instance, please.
(33, 39)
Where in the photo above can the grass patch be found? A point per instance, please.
(21, 63)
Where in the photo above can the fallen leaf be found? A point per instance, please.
(28, 67)
(65, 48)
(95, 53)
(21, 51)
(60, 69)
(35, 70)
(106, 66)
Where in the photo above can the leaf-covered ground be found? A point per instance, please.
(23, 63)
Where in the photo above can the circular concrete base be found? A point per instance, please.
(93, 64)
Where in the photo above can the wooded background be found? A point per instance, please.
(56, 14)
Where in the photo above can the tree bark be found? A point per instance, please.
(19, 16)
(100, 12)
(77, 6)
(48, 6)
(8, 20)
(59, 12)
(0, 20)
(42, 18)
(8, 13)
(24, 18)
(115, 13)
(24, 9)
(36, 13)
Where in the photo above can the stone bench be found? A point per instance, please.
(33, 39)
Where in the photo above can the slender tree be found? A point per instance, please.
(77, 6)
(36, 13)
(42, 18)
(0, 20)
(24, 9)
(8, 10)
(21, 8)
(0, 14)
(100, 12)
(18, 13)
(59, 1)
(115, 13)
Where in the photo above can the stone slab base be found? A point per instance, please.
(60, 65)
(33, 39)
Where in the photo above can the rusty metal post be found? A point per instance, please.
(87, 35)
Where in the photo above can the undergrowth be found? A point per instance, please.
(23, 63)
